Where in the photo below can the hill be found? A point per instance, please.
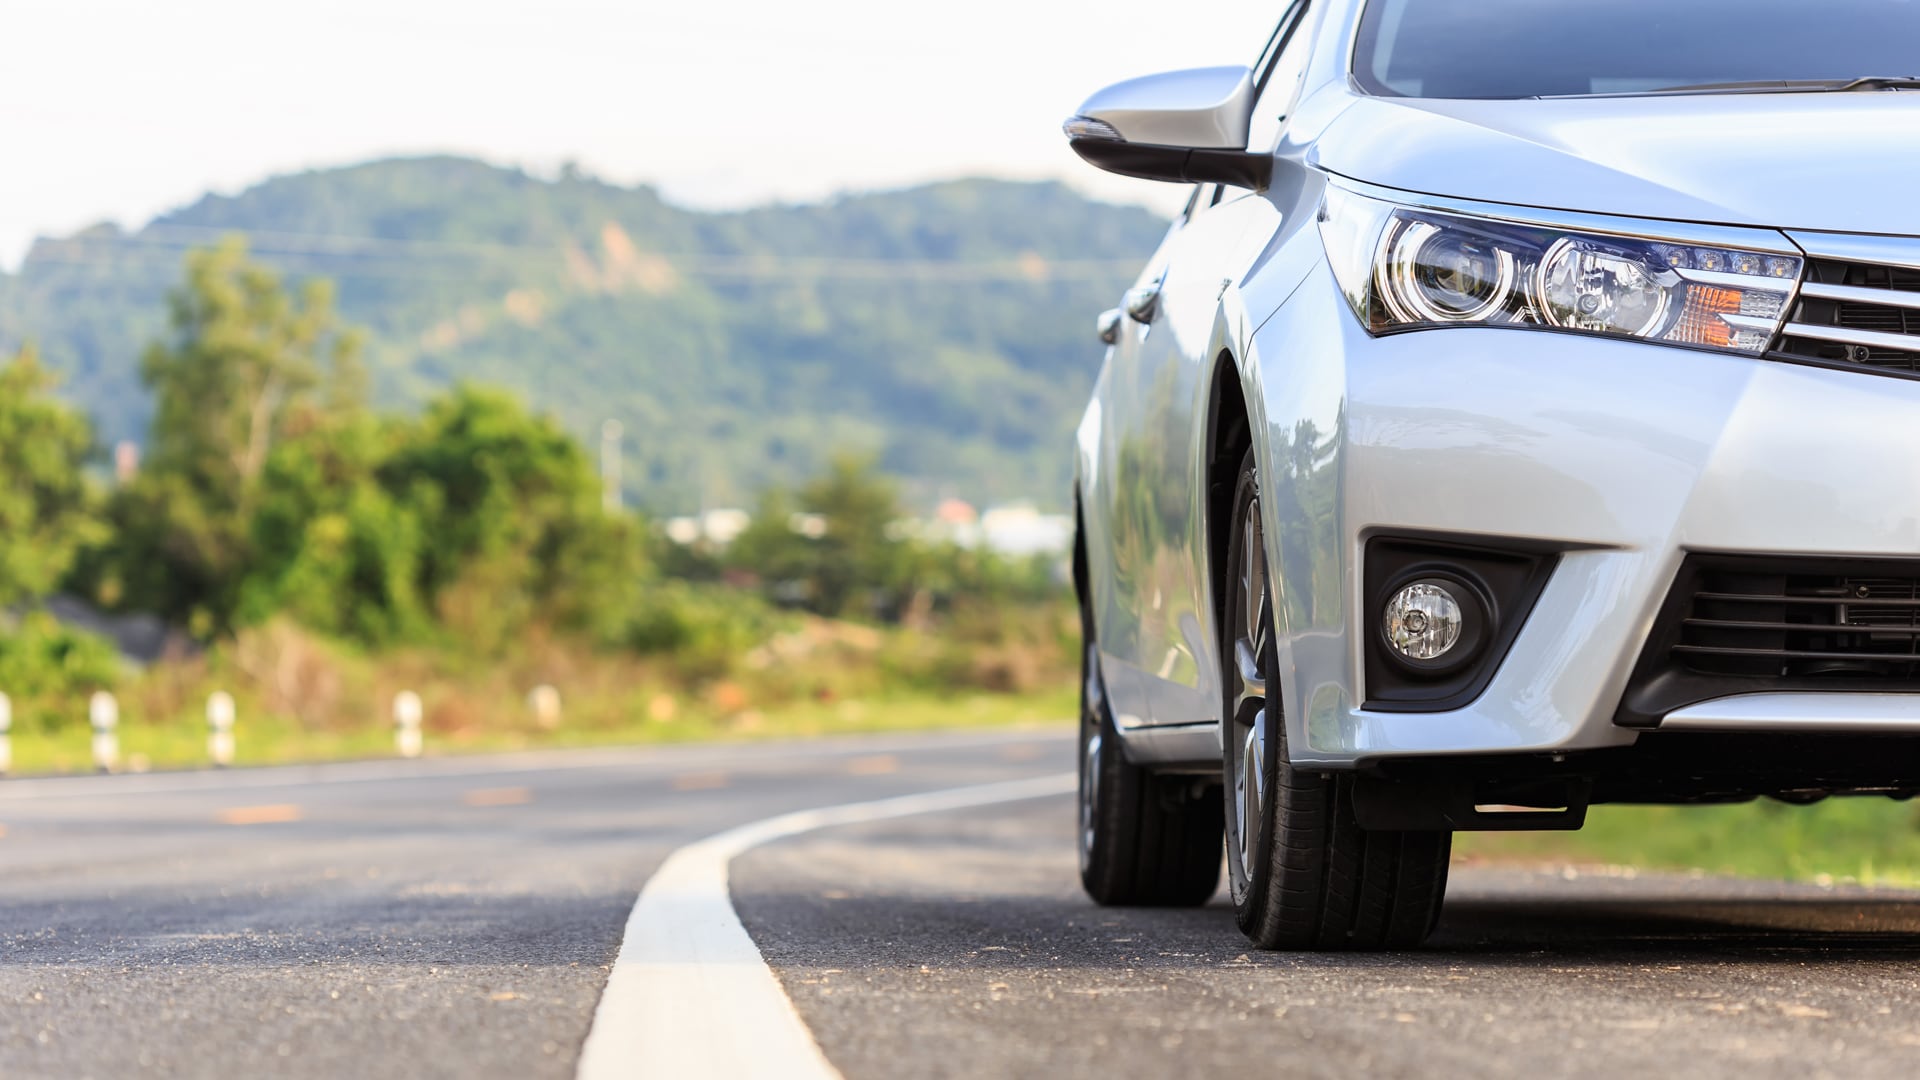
(946, 328)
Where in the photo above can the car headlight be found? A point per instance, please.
(1412, 268)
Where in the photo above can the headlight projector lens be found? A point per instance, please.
(1583, 287)
(1424, 621)
(1443, 275)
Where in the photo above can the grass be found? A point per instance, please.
(1872, 841)
(271, 740)
(300, 697)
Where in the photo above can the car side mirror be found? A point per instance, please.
(1184, 127)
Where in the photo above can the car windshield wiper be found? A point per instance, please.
(1772, 86)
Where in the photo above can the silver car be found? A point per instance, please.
(1523, 414)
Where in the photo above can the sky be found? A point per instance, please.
(117, 111)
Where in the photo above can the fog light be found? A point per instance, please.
(1424, 621)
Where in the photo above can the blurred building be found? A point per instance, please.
(716, 527)
(126, 462)
(1021, 529)
(1018, 529)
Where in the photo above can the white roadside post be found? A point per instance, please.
(220, 728)
(6, 734)
(544, 700)
(406, 723)
(103, 712)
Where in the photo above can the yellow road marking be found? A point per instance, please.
(877, 765)
(699, 781)
(498, 796)
(259, 815)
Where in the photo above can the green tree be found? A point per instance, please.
(510, 505)
(271, 489)
(332, 548)
(46, 512)
(244, 364)
(838, 546)
(47, 667)
(857, 550)
(247, 366)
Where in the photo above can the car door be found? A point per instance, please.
(1121, 534)
(1159, 407)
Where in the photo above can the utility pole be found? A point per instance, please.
(610, 433)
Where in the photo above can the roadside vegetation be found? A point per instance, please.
(313, 557)
(1867, 841)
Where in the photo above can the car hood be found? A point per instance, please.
(1844, 162)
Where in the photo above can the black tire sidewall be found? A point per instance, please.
(1114, 782)
(1156, 842)
(1092, 721)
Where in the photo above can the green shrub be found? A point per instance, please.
(49, 670)
(706, 629)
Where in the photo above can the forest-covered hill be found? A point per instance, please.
(947, 328)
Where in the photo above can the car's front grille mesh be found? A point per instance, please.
(1744, 624)
(1817, 624)
(1857, 312)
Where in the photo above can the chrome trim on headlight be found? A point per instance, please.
(1679, 232)
(1902, 251)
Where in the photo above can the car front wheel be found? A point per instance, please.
(1303, 874)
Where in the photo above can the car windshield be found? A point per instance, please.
(1527, 48)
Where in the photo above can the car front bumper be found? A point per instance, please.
(1624, 456)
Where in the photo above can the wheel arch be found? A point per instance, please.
(1228, 437)
(1236, 422)
(1081, 578)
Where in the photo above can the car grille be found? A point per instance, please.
(1815, 622)
(1859, 304)
(1743, 624)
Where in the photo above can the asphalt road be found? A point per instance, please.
(458, 918)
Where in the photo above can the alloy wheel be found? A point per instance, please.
(1250, 721)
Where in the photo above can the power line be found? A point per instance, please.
(156, 242)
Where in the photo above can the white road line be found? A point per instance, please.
(535, 761)
(690, 995)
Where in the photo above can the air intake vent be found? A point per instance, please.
(1746, 624)
(1810, 625)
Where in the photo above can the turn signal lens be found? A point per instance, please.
(1700, 321)
(1086, 127)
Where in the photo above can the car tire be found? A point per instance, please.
(1145, 840)
(1302, 872)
